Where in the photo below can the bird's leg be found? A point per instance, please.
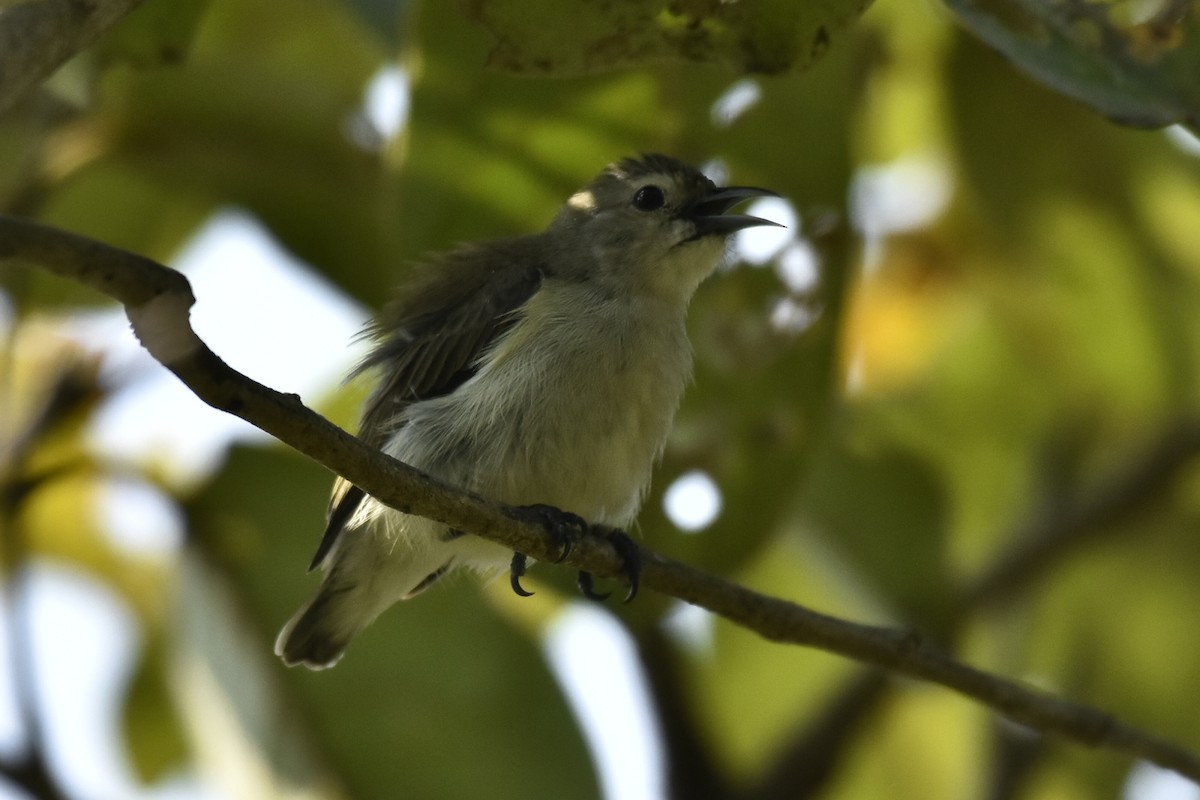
(631, 564)
(565, 527)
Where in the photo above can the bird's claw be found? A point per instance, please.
(568, 528)
(584, 581)
(516, 570)
(565, 527)
(631, 567)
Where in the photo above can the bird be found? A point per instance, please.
(542, 371)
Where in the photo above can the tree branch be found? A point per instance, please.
(1050, 535)
(157, 300)
(39, 36)
(814, 754)
(692, 770)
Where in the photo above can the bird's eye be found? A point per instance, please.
(649, 198)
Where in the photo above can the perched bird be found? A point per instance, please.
(540, 371)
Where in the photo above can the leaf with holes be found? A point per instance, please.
(1136, 68)
(548, 37)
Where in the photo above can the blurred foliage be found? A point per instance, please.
(436, 690)
(1005, 318)
(1136, 62)
(155, 34)
(543, 37)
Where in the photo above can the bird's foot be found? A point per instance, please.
(631, 566)
(565, 527)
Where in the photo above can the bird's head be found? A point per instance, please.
(653, 222)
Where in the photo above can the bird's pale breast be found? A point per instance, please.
(571, 407)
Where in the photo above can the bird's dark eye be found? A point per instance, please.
(648, 198)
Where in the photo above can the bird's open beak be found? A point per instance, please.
(711, 219)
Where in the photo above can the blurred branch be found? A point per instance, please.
(809, 760)
(1016, 754)
(157, 301)
(1050, 535)
(1060, 528)
(30, 769)
(691, 765)
(39, 36)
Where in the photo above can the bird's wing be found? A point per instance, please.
(425, 350)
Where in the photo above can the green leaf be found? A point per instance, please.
(117, 202)
(258, 117)
(152, 727)
(1100, 650)
(154, 34)
(884, 509)
(548, 37)
(1139, 71)
(384, 18)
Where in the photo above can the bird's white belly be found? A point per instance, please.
(573, 421)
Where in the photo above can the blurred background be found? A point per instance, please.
(959, 393)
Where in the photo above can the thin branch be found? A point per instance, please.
(692, 768)
(39, 36)
(808, 761)
(157, 300)
(1016, 755)
(693, 772)
(1049, 536)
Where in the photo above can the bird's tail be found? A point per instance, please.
(320, 631)
(318, 634)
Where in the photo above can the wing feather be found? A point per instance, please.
(421, 353)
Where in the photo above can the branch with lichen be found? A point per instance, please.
(157, 301)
